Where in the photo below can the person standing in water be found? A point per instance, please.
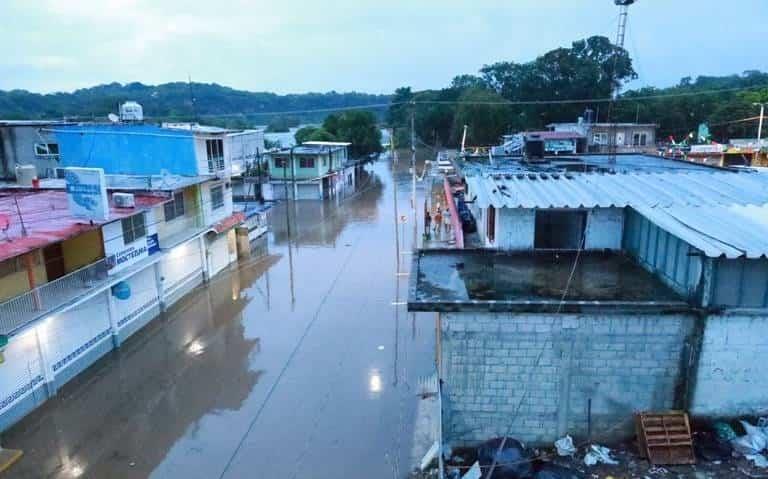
(427, 222)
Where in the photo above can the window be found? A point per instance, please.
(46, 149)
(133, 228)
(215, 151)
(325, 161)
(600, 138)
(217, 197)
(490, 231)
(639, 139)
(560, 229)
(307, 162)
(281, 162)
(175, 207)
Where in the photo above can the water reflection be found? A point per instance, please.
(121, 417)
(319, 223)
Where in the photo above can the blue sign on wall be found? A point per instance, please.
(153, 245)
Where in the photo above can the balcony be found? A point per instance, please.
(25, 308)
(179, 230)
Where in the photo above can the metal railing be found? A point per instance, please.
(19, 311)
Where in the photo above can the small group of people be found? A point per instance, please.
(437, 220)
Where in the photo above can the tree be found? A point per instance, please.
(485, 115)
(357, 127)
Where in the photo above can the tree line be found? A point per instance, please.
(207, 103)
(589, 69)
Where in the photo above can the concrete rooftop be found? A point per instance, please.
(488, 280)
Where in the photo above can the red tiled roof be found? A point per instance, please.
(47, 220)
(229, 222)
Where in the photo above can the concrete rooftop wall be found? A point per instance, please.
(550, 366)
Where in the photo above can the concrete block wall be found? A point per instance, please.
(730, 376)
(531, 375)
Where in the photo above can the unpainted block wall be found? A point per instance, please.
(731, 374)
(530, 376)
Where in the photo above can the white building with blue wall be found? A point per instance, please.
(171, 229)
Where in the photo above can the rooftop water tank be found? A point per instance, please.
(131, 111)
(25, 174)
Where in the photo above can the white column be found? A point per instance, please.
(113, 317)
(42, 350)
(204, 257)
(160, 288)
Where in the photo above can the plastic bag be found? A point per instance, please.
(599, 454)
(758, 460)
(565, 446)
(754, 441)
(724, 431)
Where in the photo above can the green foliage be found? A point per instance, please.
(172, 101)
(486, 121)
(313, 133)
(590, 68)
(282, 124)
(357, 127)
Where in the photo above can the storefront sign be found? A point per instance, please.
(153, 245)
(87, 193)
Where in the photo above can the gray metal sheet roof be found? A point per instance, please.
(590, 190)
(732, 231)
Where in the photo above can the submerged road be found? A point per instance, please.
(293, 365)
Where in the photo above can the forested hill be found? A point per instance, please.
(172, 101)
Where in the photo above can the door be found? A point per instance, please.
(53, 255)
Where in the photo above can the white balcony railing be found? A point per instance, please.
(21, 310)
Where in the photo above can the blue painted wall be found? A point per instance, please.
(128, 149)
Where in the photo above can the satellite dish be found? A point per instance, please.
(113, 118)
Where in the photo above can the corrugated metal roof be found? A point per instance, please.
(590, 190)
(732, 231)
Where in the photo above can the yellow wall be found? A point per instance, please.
(17, 283)
(82, 250)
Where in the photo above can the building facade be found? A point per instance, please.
(311, 171)
(597, 295)
(87, 284)
(28, 143)
(627, 137)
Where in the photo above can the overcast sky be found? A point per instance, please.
(363, 45)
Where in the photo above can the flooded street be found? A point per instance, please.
(301, 363)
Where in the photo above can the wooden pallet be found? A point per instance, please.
(665, 438)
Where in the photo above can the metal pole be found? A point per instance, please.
(760, 125)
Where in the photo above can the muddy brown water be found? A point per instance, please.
(293, 365)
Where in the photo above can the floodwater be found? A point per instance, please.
(296, 364)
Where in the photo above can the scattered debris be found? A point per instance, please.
(511, 457)
(724, 431)
(599, 454)
(758, 460)
(474, 472)
(565, 446)
(754, 441)
(555, 471)
(430, 456)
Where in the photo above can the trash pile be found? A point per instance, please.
(722, 451)
(751, 445)
(506, 458)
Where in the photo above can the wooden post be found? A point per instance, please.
(30, 267)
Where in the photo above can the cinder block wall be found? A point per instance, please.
(731, 373)
(531, 376)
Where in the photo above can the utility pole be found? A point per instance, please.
(413, 169)
(760, 124)
(615, 86)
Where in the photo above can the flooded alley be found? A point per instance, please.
(300, 363)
